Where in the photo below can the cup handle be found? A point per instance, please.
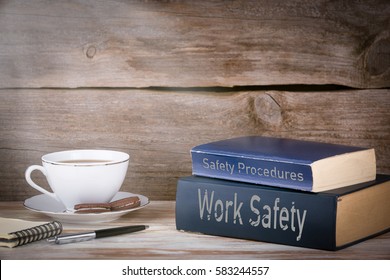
(29, 170)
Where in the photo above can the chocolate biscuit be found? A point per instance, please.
(86, 208)
(125, 203)
(117, 205)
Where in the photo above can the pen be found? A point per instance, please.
(85, 236)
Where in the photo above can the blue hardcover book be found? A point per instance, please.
(327, 220)
(288, 163)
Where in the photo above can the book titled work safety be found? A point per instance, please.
(288, 163)
(327, 220)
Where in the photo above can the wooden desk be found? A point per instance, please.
(163, 241)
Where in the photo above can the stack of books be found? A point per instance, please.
(300, 193)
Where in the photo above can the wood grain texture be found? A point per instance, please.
(159, 127)
(190, 44)
(163, 241)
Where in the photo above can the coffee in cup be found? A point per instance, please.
(82, 176)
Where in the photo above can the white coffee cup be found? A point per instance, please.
(82, 176)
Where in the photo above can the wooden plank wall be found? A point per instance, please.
(154, 78)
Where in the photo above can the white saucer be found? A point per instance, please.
(49, 206)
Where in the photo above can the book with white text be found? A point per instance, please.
(303, 165)
(328, 220)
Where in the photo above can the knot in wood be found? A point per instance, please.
(378, 56)
(91, 51)
(267, 110)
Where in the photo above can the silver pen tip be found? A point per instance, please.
(52, 239)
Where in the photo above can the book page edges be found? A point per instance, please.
(362, 214)
(9, 241)
(344, 170)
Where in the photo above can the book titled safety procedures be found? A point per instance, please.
(327, 220)
(303, 165)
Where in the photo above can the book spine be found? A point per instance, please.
(239, 210)
(36, 233)
(250, 170)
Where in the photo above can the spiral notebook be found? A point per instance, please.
(16, 232)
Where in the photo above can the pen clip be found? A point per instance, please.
(72, 237)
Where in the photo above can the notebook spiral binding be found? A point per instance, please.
(37, 233)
